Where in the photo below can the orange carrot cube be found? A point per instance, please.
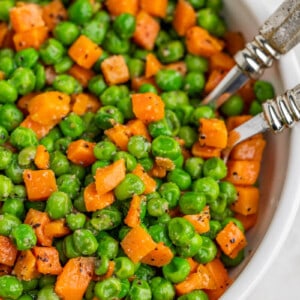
(157, 8)
(247, 201)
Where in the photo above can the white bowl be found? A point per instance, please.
(279, 180)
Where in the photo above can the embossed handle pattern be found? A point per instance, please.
(282, 29)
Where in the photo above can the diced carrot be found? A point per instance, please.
(137, 243)
(119, 134)
(153, 65)
(110, 271)
(84, 52)
(23, 101)
(230, 239)
(39, 184)
(247, 201)
(107, 178)
(200, 42)
(235, 42)
(42, 157)
(138, 127)
(213, 133)
(117, 7)
(158, 171)
(38, 221)
(221, 61)
(49, 107)
(81, 152)
(73, 281)
(184, 17)
(193, 264)
(25, 16)
(82, 75)
(93, 201)
(137, 82)
(148, 107)
(200, 221)
(161, 255)
(221, 278)
(40, 129)
(248, 221)
(115, 70)
(5, 270)
(84, 102)
(242, 172)
(56, 229)
(33, 37)
(247, 91)
(205, 151)
(235, 121)
(133, 217)
(8, 251)
(179, 66)
(146, 31)
(25, 266)
(214, 78)
(156, 8)
(3, 32)
(47, 260)
(150, 183)
(53, 13)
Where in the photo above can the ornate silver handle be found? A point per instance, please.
(279, 34)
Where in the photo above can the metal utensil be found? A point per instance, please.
(278, 113)
(279, 34)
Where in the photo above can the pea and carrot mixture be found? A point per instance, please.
(112, 183)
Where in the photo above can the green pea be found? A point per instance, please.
(194, 295)
(165, 146)
(136, 67)
(207, 251)
(189, 135)
(237, 222)
(148, 88)
(29, 285)
(7, 65)
(59, 163)
(8, 92)
(114, 44)
(69, 184)
(159, 233)
(58, 205)
(52, 51)
(124, 267)
(99, 164)
(108, 289)
(194, 166)
(195, 63)
(101, 265)
(180, 231)
(180, 105)
(192, 202)
(125, 107)
(181, 178)
(159, 128)
(105, 150)
(214, 228)
(40, 77)
(263, 90)
(157, 206)
(129, 186)
(65, 83)
(5, 158)
(169, 80)
(95, 30)
(6, 5)
(171, 192)
(107, 116)
(69, 249)
(14, 171)
(191, 248)
(208, 186)
(124, 25)
(106, 218)
(172, 121)
(194, 83)
(170, 51)
(112, 95)
(26, 57)
(62, 144)
(37, 205)
(177, 270)
(214, 167)
(75, 220)
(7, 52)
(139, 146)
(162, 289)
(108, 246)
(10, 116)
(19, 192)
(7, 223)
(97, 85)
(13, 206)
(6, 186)
(228, 191)
(162, 37)
(24, 237)
(233, 262)
(125, 286)
(80, 11)
(66, 32)
(72, 126)
(140, 53)
(147, 163)
(209, 20)
(255, 108)
(203, 111)
(63, 65)
(130, 160)
(219, 205)
(84, 241)
(10, 287)
(145, 272)
(22, 137)
(79, 203)
(26, 156)
(46, 280)
(233, 106)
(139, 289)
(47, 293)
